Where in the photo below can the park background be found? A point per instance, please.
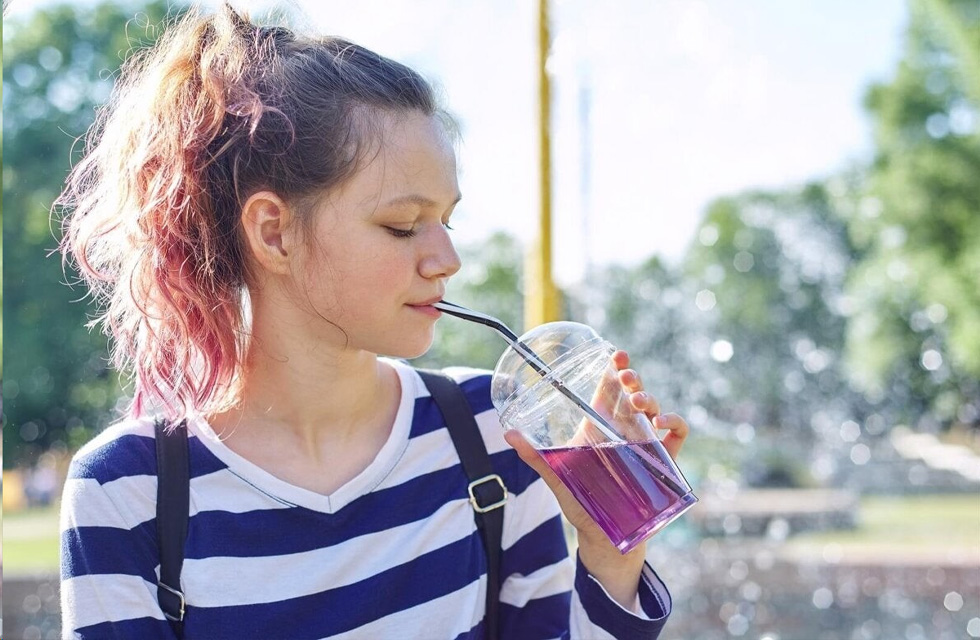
(775, 207)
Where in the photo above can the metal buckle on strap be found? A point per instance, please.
(180, 596)
(493, 477)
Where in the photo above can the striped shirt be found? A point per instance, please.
(394, 553)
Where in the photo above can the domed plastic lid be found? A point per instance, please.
(553, 343)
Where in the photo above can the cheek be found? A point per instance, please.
(390, 264)
(319, 281)
(342, 281)
(346, 266)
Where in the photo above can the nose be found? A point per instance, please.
(439, 258)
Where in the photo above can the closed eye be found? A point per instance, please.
(401, 233)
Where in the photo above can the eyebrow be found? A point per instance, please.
(419, 200)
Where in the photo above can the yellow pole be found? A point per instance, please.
(541, 295)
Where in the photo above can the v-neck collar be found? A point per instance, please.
(361, 484)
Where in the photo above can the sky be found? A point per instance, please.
(688, 101)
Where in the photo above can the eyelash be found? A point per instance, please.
(409, 233)
(402, 233)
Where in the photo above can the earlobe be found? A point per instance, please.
(266, 221)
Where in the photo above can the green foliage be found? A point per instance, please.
(769, 268)
(915, 329)
(57, 67)
(646, 311)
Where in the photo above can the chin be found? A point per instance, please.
(417, 353)
(408, 351)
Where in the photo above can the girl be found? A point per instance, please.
(262, 215)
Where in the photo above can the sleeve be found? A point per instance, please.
(546, 595)
(595, 615)
(109, 557)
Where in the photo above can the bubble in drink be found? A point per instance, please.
(624, 486)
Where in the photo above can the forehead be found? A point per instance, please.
(407, 153)
(416, 140)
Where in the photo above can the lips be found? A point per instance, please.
(426, 308)
(426, 303)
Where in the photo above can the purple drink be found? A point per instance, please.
(619, 484)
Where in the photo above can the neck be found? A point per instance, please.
(318, 398)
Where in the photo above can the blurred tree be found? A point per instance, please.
(770, 269)
(772, 266)
(647, 310)
(57, 66)
(1, 260)
(914, 337)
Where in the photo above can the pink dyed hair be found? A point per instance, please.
(216, 110)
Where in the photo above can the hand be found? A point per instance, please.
(618, 573)
(677, 429)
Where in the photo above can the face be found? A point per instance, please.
(381, 252)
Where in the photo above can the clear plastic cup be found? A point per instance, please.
(623, 476)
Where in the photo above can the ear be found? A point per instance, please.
(268, 224)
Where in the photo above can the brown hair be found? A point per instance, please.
(218, 109)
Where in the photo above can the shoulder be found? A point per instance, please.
(111, 482)
(123, 449)
(475, 383)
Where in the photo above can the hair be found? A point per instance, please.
(217, 110)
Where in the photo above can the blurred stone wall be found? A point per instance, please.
(750, 589)
(31, 610)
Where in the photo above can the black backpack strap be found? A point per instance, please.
(487, 490)
(173, 511)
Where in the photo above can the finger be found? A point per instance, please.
(645, 403)
(677, 432)
(630, 380)
(621, 359)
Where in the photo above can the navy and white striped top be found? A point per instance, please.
(392, 554)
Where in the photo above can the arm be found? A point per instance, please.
(536, 600)
(109, 555)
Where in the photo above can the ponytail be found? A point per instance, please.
(216, 110)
